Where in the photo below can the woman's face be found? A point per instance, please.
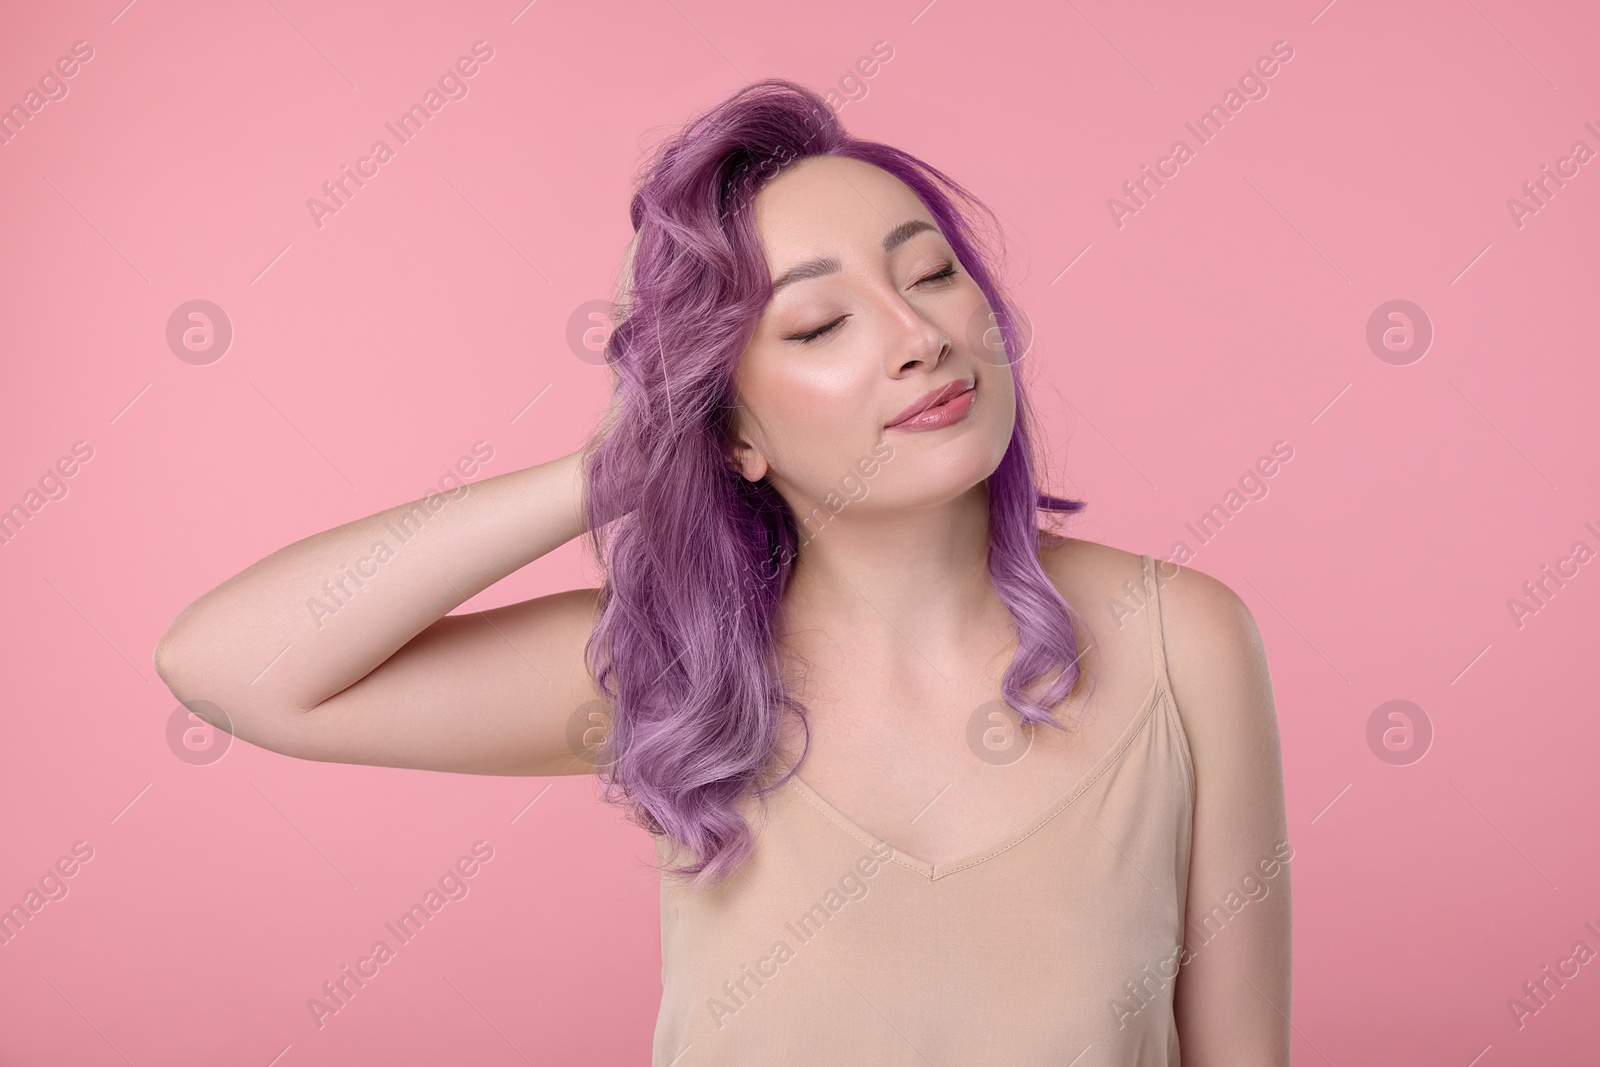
(878, 315)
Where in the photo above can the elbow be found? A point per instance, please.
(168, 660)
(190, 684)
(164, 659)
(203, 682)
(182, 658)
(165, 655)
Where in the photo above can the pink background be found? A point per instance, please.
(370, 354)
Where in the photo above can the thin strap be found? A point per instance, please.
(1158, 645)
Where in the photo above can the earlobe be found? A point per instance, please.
(748, 462)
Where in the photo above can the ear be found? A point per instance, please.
(747, 460)
(740, 453)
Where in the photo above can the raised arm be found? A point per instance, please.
(339, 647)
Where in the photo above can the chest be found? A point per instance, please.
(944, 779)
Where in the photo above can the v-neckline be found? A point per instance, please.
(934, 871)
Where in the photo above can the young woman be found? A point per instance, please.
(952, 789)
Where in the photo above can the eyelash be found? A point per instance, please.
(948, 271)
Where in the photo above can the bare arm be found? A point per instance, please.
(339, 647)
(1232, 998)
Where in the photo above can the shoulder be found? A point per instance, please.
(1192, 601)
(1088, 572)
(1209, 631)
(1216, 665)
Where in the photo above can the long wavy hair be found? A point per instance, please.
(695, 558)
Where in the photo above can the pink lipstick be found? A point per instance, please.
(942, 407)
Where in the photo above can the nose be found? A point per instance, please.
(918, 341)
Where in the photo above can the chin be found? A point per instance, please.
(995, 435)
(962, 469)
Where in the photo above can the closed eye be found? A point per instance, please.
(946, 272)
(807, 338)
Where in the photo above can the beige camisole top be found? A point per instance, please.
(1055, 945)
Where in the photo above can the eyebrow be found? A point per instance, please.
(817, 268)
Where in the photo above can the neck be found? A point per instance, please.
(912, 585)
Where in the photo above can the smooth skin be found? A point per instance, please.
(891, 610)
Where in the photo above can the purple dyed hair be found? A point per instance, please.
(695, 557)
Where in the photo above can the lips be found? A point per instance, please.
(946, 392)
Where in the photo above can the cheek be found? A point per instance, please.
(812, 419)
(1003, 407)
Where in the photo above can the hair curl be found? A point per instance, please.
(695, 558)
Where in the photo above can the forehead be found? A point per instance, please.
(826, 205)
